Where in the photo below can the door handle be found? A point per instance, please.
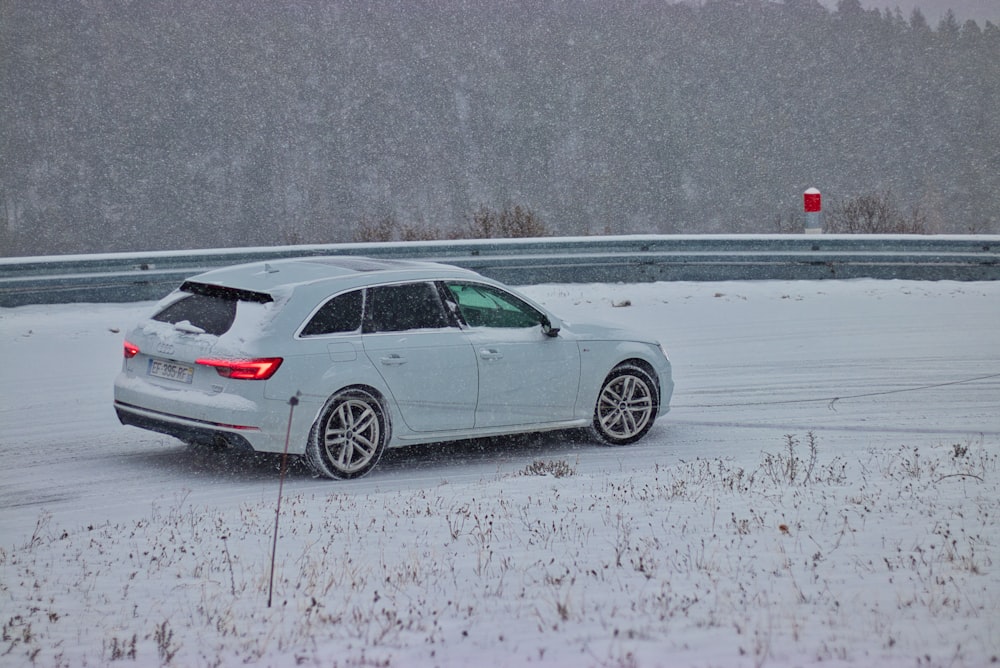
(393, 360)
(490, 354)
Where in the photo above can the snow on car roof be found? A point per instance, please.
(268, 276)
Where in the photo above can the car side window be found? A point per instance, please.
(487, 306)
(396, 308)
(341, 314)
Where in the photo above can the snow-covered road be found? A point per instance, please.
(879, 372)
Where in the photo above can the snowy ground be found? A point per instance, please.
(825, 490)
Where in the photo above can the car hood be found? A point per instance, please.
(606, 332)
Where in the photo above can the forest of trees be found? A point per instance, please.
(143, 125)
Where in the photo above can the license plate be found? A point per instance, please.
(171, 371)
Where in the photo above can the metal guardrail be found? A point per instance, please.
(124, 277)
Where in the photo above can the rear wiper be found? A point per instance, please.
(186, 327)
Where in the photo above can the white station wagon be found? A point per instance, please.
(345, 356)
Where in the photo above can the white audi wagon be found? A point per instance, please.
(346, 356)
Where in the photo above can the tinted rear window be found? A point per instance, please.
(210, 307)
(215, 315)
(340, 314)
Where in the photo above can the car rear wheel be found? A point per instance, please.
(350, 436)
(626, 406)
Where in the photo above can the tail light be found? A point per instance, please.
(131, 350)
(256, 369)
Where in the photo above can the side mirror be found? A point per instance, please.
(547, 327)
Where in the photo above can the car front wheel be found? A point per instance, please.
(350, 436)
(626, 406)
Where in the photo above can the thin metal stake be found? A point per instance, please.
(293, 402)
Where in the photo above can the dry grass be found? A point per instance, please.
(799, 560)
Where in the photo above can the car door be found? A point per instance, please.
(422, 355)
(525, 377)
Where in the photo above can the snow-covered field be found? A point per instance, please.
(825, 490)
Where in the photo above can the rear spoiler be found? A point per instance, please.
(223, 292)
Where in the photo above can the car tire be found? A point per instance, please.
(350, 436)
(626, 405)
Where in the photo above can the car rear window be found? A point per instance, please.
(209, 307)
(340, 314)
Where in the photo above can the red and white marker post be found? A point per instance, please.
(813, 205)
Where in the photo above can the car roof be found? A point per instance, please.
(327, 272)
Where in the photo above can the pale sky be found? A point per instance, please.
(933, 10)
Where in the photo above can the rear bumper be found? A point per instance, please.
(185, 429)
(253, 421)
